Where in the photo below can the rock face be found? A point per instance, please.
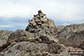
(21, 35)
(72, 35)
(59, 29)
(23, 43)
(4, 35)
(35, 49)
(42, 38)
(38, 39)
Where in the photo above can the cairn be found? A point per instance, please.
(39, 21)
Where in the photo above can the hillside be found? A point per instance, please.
(42, 38)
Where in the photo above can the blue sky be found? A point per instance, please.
(14, 14)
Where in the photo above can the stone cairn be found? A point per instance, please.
(39, 21)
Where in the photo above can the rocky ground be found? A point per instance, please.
(42, 38)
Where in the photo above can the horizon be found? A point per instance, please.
(14, 14)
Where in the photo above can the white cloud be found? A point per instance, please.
(6, 26)
(12, 26)
(64, 10)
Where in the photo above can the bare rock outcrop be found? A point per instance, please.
(42, 38)
(38, 39)
(4, 35)
(72, 35)
(35, 49)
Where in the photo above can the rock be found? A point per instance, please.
(72, 35)
(21, 35)
(40, 25)
(51, 23)
(39, 21)
(59, 28)
(38, 39)
(81, 45)
(42, 33)
(35, 49)
(4, 35)
(70, 48)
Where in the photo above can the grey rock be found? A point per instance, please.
(59, 28)
(35, 49)
(40, 21)
(72, 35)
(51, 23)
(38, 39)
(4, 35)
(46, 39)
(81, 45)
(20, 35)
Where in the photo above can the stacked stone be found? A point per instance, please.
(39, 21)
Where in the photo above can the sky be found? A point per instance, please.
(14, 14)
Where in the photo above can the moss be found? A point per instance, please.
(22, 39)
(27, 54)
(56, 37)
(11, 41)
(29, 38)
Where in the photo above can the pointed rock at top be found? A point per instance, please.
(40, 14)
(40, 21)
(39, 11)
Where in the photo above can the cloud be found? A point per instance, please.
(6, 26)
(63, 12)
(57, 8)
